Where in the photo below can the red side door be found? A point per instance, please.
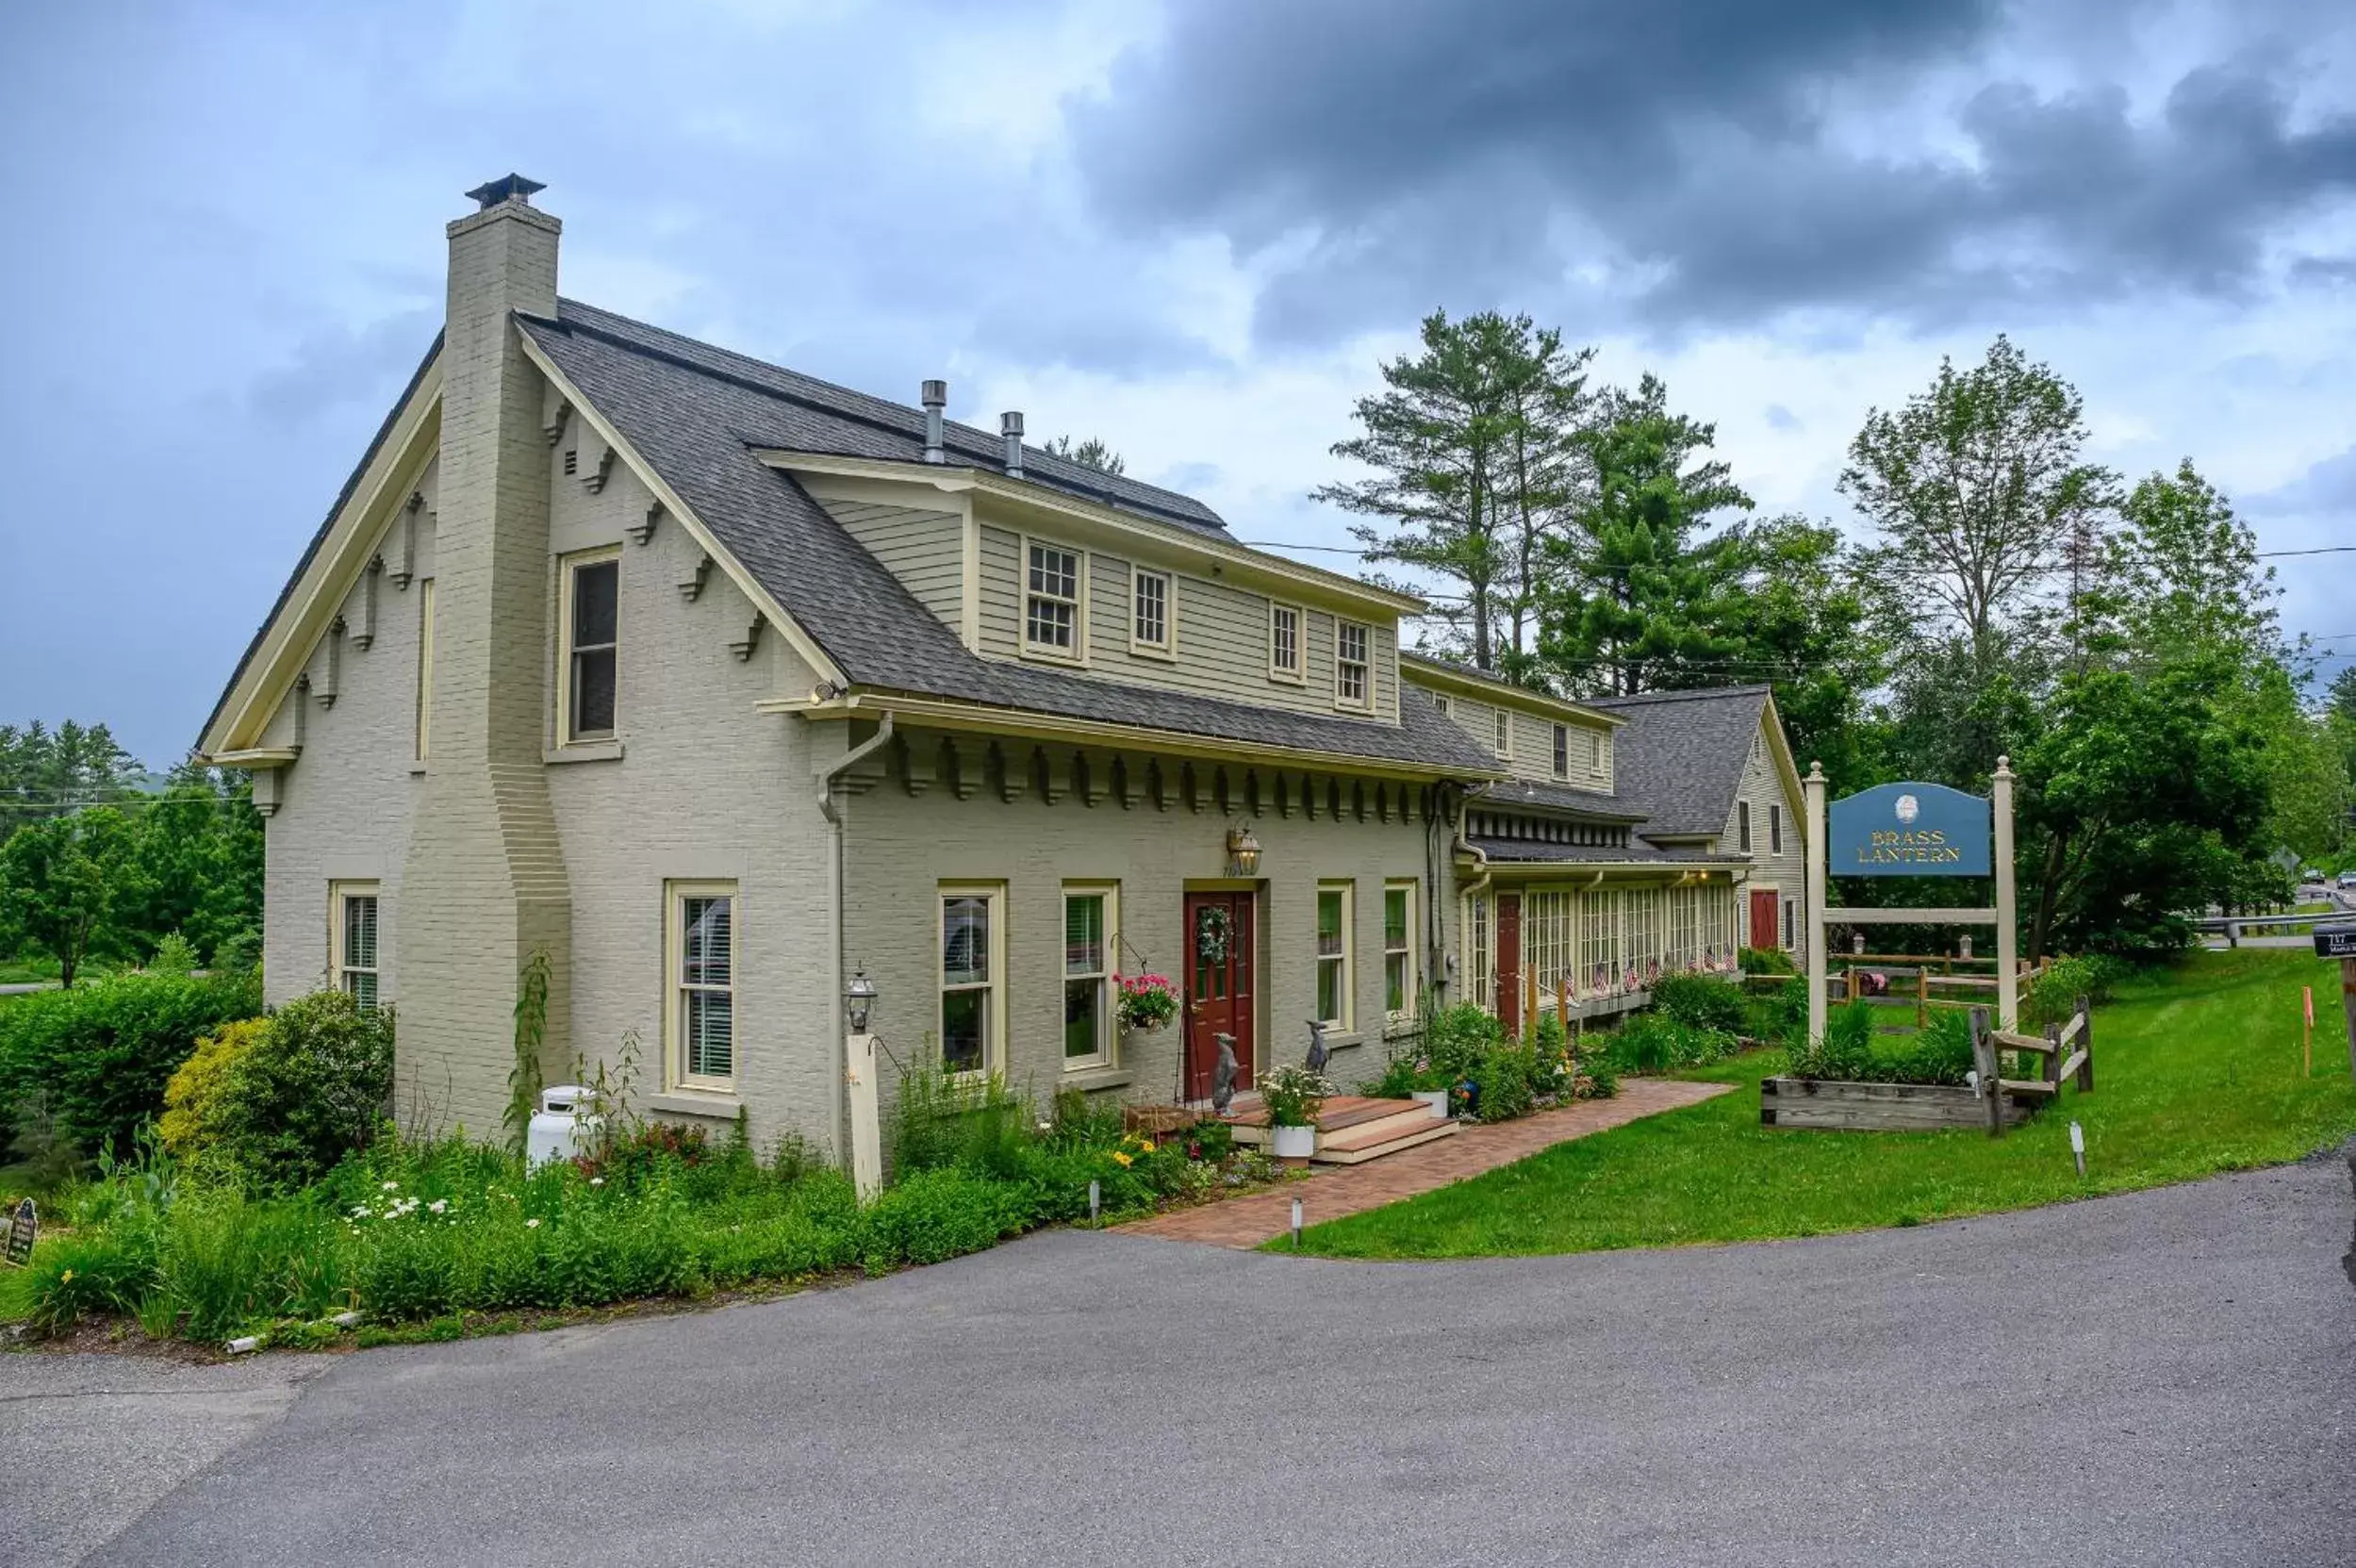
(1220, 945)
(1509, 962)
(1766, 929)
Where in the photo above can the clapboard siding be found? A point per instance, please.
(1221, 636)
(925, 549)
(1532, 753)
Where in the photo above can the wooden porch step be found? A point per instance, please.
(1340, 1112)
(1357, 1147)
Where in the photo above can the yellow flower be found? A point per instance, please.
(66, 1278)
(1116, 1155)
(1145, 1148)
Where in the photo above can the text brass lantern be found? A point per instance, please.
(1243, 849)
(858, 998)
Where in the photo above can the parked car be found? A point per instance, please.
(2347, 881)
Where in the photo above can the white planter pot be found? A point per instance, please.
(1293, 1143)
(1437, 1100)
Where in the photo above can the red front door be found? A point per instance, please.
(1219, 953)
(1509, 962)
(1765, 930)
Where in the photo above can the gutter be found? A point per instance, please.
(827, 776)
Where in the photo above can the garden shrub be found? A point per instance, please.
(92, 1273)
(314, 1087)
(1779, 1016)
(226, 1262)
(2053, 996)
(101, 1053)
(1654, 1042)
(936, 1215)
(1853, 1052)
(1703, 1001)
(192, 1123)
(940, 1121)
(1506, 1082)
(1765, 961)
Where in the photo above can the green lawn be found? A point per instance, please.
(2197, 1071)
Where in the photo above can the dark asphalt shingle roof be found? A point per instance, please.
(695, 415)
(1594, 803)
(1681, 756)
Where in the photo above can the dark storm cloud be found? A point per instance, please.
(1439, 152)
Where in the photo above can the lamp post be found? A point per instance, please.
(866, 1134)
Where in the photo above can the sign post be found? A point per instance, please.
(1914, 830)
(2340, 942)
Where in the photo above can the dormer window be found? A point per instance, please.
(1284, 642)
(1350, 671)
(1149, 612)
(1051, 605)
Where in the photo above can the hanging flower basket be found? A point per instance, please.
(1146, 1001)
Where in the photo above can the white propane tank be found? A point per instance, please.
(563, 1126)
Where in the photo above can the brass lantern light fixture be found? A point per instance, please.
(1243, 850)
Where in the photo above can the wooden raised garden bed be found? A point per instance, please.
(2066, 1052)
(1877, 1107)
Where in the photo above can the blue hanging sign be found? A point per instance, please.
(1909, 830)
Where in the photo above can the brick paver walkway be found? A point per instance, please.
(1333, 1191)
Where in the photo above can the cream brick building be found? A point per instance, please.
(711, 682)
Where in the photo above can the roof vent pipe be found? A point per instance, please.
(1011, 428)
(936, 397)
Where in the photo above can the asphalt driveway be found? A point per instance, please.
(2164, 1378)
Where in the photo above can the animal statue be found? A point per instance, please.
(1318, 1054)
(1223, 1075)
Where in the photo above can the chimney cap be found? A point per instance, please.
(509, 188)
(936, 394)
(1011, 422)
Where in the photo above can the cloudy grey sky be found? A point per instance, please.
(1193, 228)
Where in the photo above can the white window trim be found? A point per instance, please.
(1355, 704)
(994, 1017)
(1501, 731)
(1774, 828)
(1599, 760)
(1439, 699)
(1743, 827)
(1562, 751)
(425, 669)
(338, 895)
(1298, 674)
(1346, 991)
(568, 569)
(1107, 1030)
(1078, 654)
(675, 897)
(1405, 1013)
(1167, 647)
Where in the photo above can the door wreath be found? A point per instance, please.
(1214, 935)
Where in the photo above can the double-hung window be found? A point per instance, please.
(1091, 918)
(1284, 642)
(1333, 955)
(701, 955)
(1149, 612)
(1051, 602)
(1774, 828)
(1562, 751)
(352, 934)
(1439, 700)
(1399, 949)
(1351, 683)
(1742, 826)
(1501, 738)
(973, 946)
(587, 667)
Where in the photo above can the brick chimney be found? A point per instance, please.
(483, 886)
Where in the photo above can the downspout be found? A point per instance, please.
(827, 776)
